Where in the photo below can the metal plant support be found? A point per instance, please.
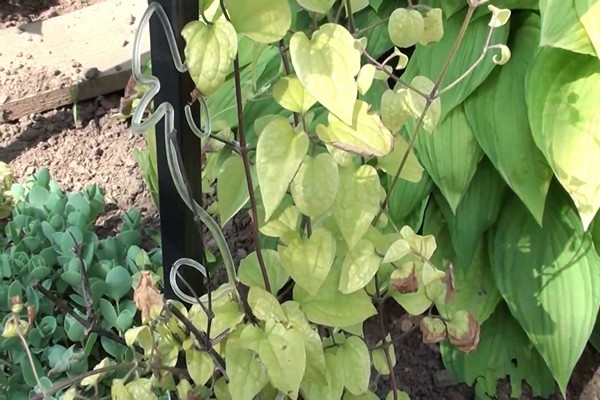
(178, 148)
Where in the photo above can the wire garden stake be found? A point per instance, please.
(173, 155)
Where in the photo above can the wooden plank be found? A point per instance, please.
(99, 36)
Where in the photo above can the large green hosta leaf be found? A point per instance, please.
(549, 278)
(503, 350)
(477, 211)
(562, 96)
(561, 27)
(429, 60)
(406, 196)
(507, 141)
(450, 155)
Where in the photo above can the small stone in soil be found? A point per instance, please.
(91, 73)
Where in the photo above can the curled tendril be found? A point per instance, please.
(167, 111)
(504, 56)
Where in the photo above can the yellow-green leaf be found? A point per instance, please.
(380, 360)
(433, 27)
(562, 99)
(357, 365)
(331, 307)
(357, 201)
(282, 353)
(142, 335)
(359, 267)
(247, 375)
(264, 21)
(365, 134)
(250, 275)
(96, 378)
(227, 316)
(319, 6)
(315, 356)
(405, 27)
(394, 109)
(265, 306)
(232, 190)
(416, 103)
(549, 278)
(308, 261)
(219, 40)
(411, 169)
(331, 48)
(286, 218)
(279, 153)
(561, 27)
(289, 92)
(200, 365)
(118, 391)
(141, 388)
(588, 12)
(316, 184)
(333, 388)
(365, 76)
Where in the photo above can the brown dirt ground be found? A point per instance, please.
(97, 148)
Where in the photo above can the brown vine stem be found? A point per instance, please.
(244, 153)
(384, 342)
(429, 99)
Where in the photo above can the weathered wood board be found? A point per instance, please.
(67, 46)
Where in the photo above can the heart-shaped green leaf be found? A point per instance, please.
(319, 6)
(326, 65)
(316, 184)
(279, 153)
(250, 275)
(282, 353)
(246, 373)
(562, 99)
(359, 267)
(209, 52)
(366, 135)
(264, 21)
(355, 356)
(411, 169)
(232, 189)
(289, 92)
(549, 279)
(507, 141)
(308, 261)
(200, 365)
(331, 307)
(357, 201)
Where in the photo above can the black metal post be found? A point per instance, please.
(178, 232)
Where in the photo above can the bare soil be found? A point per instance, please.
(97, 148)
